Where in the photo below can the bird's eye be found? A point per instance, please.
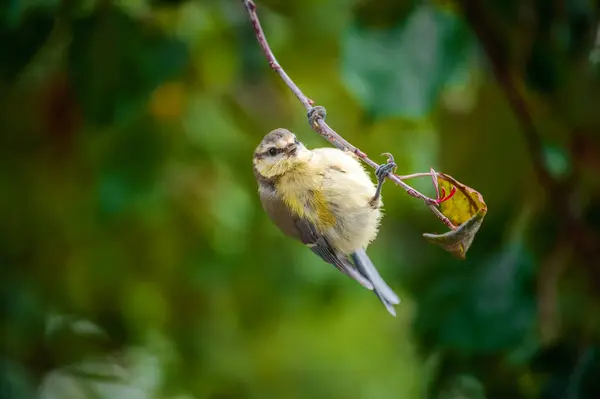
(296, 141)
(272, 151)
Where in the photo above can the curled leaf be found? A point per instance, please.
(465, 209)
(465, 203)
(458, 241)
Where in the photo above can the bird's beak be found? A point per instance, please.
(291, 149)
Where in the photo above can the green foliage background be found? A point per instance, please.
(137, 262)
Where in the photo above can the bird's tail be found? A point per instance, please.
(382, 290)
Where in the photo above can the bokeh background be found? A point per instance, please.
(136, 260)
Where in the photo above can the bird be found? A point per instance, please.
(324, 198)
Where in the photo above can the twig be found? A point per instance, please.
(415, 175)
(264, 44)
(321, 127)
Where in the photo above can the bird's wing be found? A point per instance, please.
(303, 230)
(322, 248)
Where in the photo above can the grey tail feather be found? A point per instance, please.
(366, 267)
(388, 305)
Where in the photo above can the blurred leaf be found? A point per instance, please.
(571, 373)
(383, 14)
(15, 381)
(400, 71)
(465, 209)
(70, 339)
(168, 100)
(20, 43)
(116, 63)
(172, 3)
(23, 317)
(132, 373)
(543, 68)
(483, 308)
(463, 387)
(557, 161)
(458, 241)
(129, 167)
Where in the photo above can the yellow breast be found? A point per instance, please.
(301, 191)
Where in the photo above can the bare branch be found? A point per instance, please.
(321, 127)
(415, 175)
(264, 44)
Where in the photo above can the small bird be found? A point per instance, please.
(324, 198)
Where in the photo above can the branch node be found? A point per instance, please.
(315, 114)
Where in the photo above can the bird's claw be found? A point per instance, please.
(315, 113)
(383, 170)
(390, 157)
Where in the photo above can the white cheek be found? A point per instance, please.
(268, 167)
(272, 161)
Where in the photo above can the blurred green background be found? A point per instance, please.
(136, 259)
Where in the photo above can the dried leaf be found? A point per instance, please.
(464, 204)
(458, 241)
(465, 209)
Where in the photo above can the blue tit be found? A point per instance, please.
(324, 198)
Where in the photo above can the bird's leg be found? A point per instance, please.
(316, 113)
(381, 172)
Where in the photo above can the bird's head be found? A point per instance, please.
(278, 153)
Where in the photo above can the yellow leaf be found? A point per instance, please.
(465, 203)
(465, 209)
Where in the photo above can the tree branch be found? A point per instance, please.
(321, 127)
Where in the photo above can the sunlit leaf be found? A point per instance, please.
(465, 209)
(464, 204)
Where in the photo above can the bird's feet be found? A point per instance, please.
(383, 170)
(316, 113)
